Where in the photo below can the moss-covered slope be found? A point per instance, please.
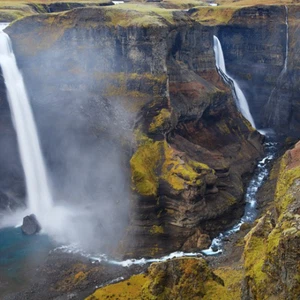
(272, 256)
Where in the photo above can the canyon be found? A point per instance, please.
(135, 122)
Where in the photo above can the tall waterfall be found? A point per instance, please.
(284, 69)
(239, 96)
(286, 41)
(38, 192)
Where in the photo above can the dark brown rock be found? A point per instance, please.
(30, 225)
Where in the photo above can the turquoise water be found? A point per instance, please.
(20, 255)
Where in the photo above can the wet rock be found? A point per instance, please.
(30, 225)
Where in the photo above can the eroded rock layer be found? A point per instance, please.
(192, 148)
(271, 255)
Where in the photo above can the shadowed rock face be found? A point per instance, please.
(191, 147)
(254, 44)
(30, 225)
(271, 254)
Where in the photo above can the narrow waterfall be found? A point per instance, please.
(239, 96)
(38, 192)
(284, 69)
(286, 40)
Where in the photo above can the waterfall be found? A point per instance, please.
(284, 69)
(38, 192)
(239, 96)
(286, 41)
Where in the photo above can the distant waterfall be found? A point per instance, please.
(284, 69)
(239, 96)
(286, 41)
(38, 192)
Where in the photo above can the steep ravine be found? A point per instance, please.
(192, 147)
(146, 84)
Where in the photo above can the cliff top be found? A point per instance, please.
(163, 9)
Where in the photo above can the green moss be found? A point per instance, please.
(11, 15)
(213, 16)
(179, 173)
(267, 246)
(128, 289)
(138, 15)
(144, 165)
(254, 258)
(286, 178)
(156, 229)
(160, 120)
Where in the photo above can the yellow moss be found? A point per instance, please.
(254, 259)
(232, 281)
(138, 15)
(156, 229)
(154, 250)
(144, 165)
(72, 278)
(273, 241)
(286, 177)
(160, 120)
(117, 85)
(223, 126)
(80, 276)
(267, 246)
(214, 15)
(128, 289)
(179, 173)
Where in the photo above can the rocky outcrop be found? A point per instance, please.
(192, 148)
(271, 255)
(30, 225)
(179, 278)
(257, 43)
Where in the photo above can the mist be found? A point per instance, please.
(85, 137)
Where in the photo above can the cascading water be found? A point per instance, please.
(286, 41)
(239, 96)
(260, 175)
(284, 69)
(38, 192)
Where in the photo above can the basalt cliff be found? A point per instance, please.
(191, 148)
(143, 79)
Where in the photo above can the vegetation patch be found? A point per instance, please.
(144, 164)
(128, 289)
(213, 16)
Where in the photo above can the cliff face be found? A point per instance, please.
(112, 70)
(101, 72)
(181, 278)
(271, 255)
(257, 43)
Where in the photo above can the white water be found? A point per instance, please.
(239, 96)
(38, 192)
(250, 210)
(284, 69)
(249, 216)
(286, 41)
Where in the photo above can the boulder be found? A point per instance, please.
(30, 225)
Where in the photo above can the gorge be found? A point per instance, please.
(149, 152)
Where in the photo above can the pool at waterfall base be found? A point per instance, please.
(20, 255)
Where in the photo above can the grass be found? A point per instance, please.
(139, 14)
(239, 3)
(214, 15)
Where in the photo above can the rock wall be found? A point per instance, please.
(99, 73)
(271, 255)
(254, 41)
